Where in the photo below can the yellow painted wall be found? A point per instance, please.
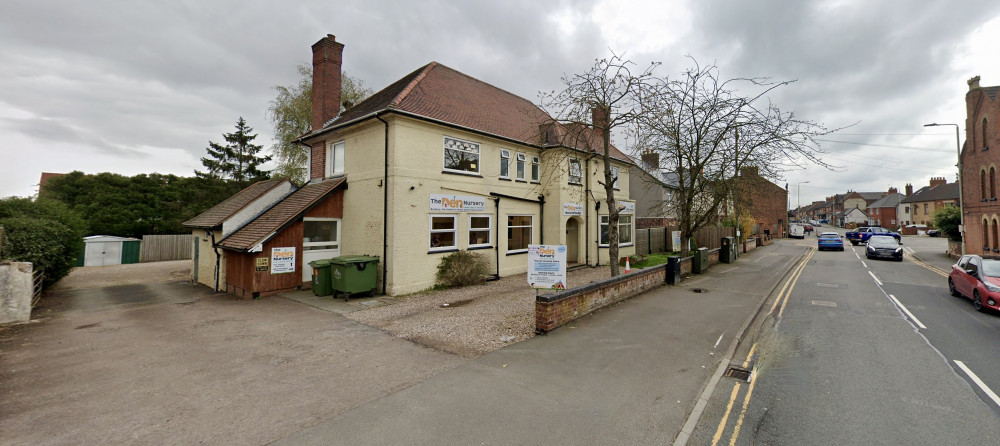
(205, 263)
(416, 172)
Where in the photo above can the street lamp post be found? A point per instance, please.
(798, 201)
(961, 202)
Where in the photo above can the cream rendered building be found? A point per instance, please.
(439, 162)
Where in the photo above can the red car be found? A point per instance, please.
(977, 279)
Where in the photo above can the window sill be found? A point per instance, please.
(521, 181)
(473, 248)
(575, 183)
(465, 174)
(503, 179)
(515, 253)
(536, 182)
(623, 245)
(439, 251)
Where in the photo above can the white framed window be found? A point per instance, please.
(624, 229)
(335, 159)
(505, 164)
(575, 171)
(614, 175)
(320, 233)
(480, 231)
(443, 231)
(461, 156)
(521, 158)
(535, 169)
(519, 228)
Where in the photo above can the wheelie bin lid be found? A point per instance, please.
(351, 260)
(320, 263)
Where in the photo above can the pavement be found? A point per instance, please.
(632, 373)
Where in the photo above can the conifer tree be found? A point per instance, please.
(238, 160)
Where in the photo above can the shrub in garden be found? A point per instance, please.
(44, 232)
(462, 268)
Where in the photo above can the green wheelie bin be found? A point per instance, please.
(353, 274)
(321, 283)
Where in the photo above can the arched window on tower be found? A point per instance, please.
(985, 146)
(982, 184)
(986, 236)
(993, 182)
(996, 243)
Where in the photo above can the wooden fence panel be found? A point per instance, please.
(159, 248)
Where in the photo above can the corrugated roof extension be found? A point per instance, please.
(438, 93)
(282, 214)
(220, 212)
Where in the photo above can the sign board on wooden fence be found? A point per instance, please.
(675, 238)
(547, 267)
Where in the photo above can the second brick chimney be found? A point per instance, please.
(327, 59)
(651, 159)
(937, 181)
(909, 189)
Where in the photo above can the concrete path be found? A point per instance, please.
(629, 374)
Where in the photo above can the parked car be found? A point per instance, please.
(862, 234)
(824, 221)
(830, 240)
(933, 233)
(976, 278)
(883, 246)
(796, 230)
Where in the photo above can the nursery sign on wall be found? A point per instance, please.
(547, 267)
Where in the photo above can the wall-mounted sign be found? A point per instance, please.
(283, 260)
(547, 267)
(457, 203)
(626, 207)
(675, 237)
(262, 263)
(572, 209)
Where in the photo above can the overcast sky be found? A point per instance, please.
(140, 86)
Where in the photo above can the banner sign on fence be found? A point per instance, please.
(283, 260)
(457, 203)
(572, 209)
(547, 267)
(676, 238)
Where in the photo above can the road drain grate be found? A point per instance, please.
(738, 373)
(698, 290)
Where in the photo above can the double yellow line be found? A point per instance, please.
(782, 297)
(926, 265)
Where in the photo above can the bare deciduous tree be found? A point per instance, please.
(594, 103)
(707, 129)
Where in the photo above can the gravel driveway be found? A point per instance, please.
(477, 319)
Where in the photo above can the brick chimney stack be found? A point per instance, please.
(974, 83)
(909, 189)
(599, 117)
(893, 190)
(937, 181)
(327, 59)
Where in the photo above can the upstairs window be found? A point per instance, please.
(535, 169)
(335, 159)
(520, 166)
(575, 171)
(505, 164)
(461, 156)
(614, 177)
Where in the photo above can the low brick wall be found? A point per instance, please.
(554, 310)
(557, 309)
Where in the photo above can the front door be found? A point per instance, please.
(320, 240)
(572, 240)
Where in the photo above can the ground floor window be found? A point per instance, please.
(480, 231)
(320, 233)
(443, 231)
(518, 233)
(624, 230)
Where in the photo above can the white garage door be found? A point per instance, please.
(103, 253)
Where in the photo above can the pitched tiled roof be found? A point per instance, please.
(947, 191)
(442, 94)
(888, 201)
(871, 195)
(280, 215)
(220, 212)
